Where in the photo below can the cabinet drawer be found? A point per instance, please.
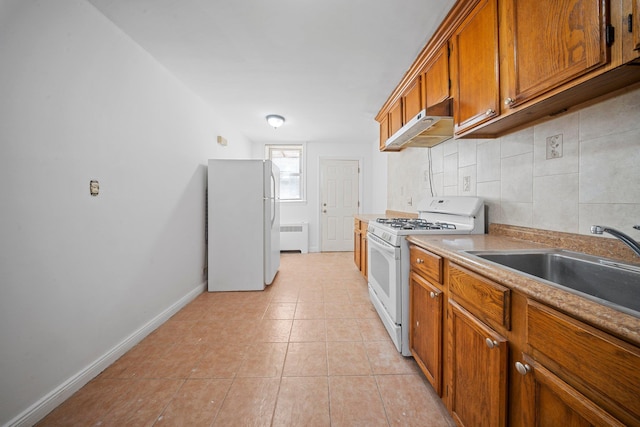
(601, 366)
(487, 300)
(428, 264)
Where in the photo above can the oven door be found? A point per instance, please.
(385, 276)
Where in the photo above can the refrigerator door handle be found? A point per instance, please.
(273, 199)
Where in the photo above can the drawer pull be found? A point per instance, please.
(419, 261)
(491, 343)
(523, 368)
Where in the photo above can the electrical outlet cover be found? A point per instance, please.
(554, 146)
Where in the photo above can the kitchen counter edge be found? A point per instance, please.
(625, 326)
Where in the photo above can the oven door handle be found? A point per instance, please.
(381, 244)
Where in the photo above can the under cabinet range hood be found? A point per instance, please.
(428, 128)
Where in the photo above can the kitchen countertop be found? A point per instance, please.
(620, 324)
(368, 217)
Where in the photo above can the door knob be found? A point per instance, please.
(523, 368)
(491, 343)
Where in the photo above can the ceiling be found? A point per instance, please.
(327, 66)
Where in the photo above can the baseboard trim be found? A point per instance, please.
(49, 402)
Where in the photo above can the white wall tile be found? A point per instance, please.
(490, 192)
(517, 143)
(555, 202)
(595, 181)
(466, 152)
(621, 216)
(517, 178)
(567, 127)
(609, 169)
(488, 156)
(615, 115)
(438, 184)
(517, 213)
(437, 158)
(451, 169)
(450, 191)
(450, 147)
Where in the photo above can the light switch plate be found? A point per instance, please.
(94, 187)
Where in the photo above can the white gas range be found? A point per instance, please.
(388, 255)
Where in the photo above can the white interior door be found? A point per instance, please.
(340, 197)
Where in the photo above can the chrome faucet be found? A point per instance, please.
(635, 246)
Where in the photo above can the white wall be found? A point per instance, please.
(372, 195)
(80, 275)
(596, 181)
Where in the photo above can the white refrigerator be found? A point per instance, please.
(243, 226)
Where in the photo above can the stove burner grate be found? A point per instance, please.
(415, 224)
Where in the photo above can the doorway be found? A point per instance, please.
(339, 202)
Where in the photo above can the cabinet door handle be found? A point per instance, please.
(419, 261)
(433, 294)
(489, 112)
(509, 101)
(523, 368)
(491, 343)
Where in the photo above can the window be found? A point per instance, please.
(289, 159)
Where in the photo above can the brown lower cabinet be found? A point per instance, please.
(360, 245)
(478, 379)
(498, 357)
(549, 401)
(426, 318)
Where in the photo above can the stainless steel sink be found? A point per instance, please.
(606, 281)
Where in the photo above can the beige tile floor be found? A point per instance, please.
(308, 351)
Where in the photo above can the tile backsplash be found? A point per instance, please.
(564, 174)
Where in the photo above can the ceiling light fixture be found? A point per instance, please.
(275, 120)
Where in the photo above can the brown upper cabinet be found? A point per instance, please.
(551, 42)
(634, 26)
(631, 30)
(395, 117)
(384, 131)
(436, 78)
(516, 61)
(475, 68)
(412, 99)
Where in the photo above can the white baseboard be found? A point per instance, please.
(49, 402)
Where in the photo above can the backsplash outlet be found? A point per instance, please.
(554, 146)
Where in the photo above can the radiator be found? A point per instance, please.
(294, 237)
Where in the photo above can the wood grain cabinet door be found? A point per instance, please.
(476, 88)
(357, 244)
(550, 402)
(551, 43)
(436, 78)
(395, 117)
(425, 333)
(478, 371)
(412, 100)
(635, 24)
(384, 131)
